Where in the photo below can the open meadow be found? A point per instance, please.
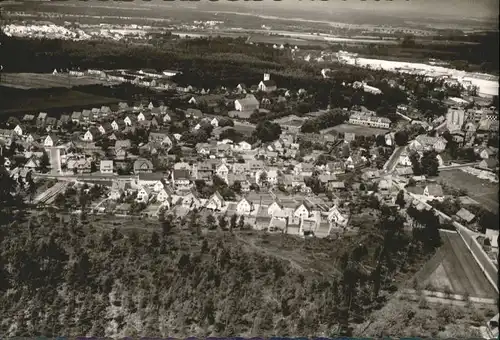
(483, 191)
(53, 101)
(26, 81)
(358, 130)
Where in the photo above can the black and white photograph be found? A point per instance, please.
(295, 168)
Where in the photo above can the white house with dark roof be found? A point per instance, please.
(249, 103)
(106, 167)
(165, 193)
(244, 207)
(215, 202)
(143, 195)
(267, 85)
(50, 141)
(18, 130)
(433, 191)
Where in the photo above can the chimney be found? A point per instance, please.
(267, 77)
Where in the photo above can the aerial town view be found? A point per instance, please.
(206, 168)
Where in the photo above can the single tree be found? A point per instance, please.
(400, 199)
(44, 162)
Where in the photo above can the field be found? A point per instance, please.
(26, 81)
(484, 192)
(61, 100)
(245, 129)
(453, 269)
(358, 130)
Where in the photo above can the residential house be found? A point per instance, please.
(465, 215)
(249, 104)
(267, 85)
(91, 135)
(336, 217)
(118, 125)
(470, 130)
(354, 162)
(166, 118)
(63, 121)
(124, 144)
(433, 191)
(29, 119)
(159, 185)
(105, 128)
(40, 121)
(325, 179)
(405, 171)
(76, 117)
(143, 116)
(142, 165)
(404, 159)
(18, 130)
(32, 164)
(79, 165)
(86, 115)
(193, 113)
(165, 193)
(336, 185)
(385, 186)
(50, 123)
(50, 141)
(349, 137)
(191, 200)
(151, 180)
(130, 120)
(293, 182)
(31, 137)
(181, 179)
(222, 171)
(162, 138)
(106, 167)
(275, 209)
(243, 146)
(424, 142)
(335, 167)
(303, 210)
(369, 119)
(143, 195)
(215, 202)
(484, 152)
(490, 164)
(244, 207)
(303, 169)
(241, 88)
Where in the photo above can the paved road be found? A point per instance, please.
(55, 160)
(457, 166)
(391, 163)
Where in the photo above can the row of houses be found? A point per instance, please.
(369, 119)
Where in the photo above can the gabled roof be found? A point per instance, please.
(249, 100)
(155, 176)
(181, 174)
(142, 163)
(465, 215)
(269, 83)
(123, 144)
(435, 190)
